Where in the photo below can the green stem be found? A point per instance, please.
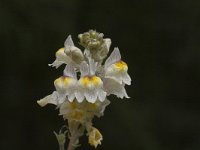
(62, 147)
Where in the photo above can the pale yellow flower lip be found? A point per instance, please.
(121, 66)
(89, 81)
(63, 81)
(91, 88)
(66, 87)
(61, 50)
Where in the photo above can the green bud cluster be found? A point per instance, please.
(91, 40)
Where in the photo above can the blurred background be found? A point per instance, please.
(159, 40)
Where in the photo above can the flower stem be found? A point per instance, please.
(76, 130)
(71, 145)
(62, 147)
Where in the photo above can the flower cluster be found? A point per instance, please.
(81, 92)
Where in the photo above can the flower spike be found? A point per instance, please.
(81, 91)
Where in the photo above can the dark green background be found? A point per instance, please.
(160, 41)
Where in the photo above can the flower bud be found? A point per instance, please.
(91, 40)
(75, 54)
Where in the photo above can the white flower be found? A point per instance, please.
(66, 84)
(111, 86)
(89, 85)
(69, 54)
(61, 58)
(116, 69)
(65, 88)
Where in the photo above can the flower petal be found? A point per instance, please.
(114, 57)
(61, 58)
(126, 79)
(92, 66)
(71, 97)
(68, 42)
(101, 95)
(90, 88)
(79, 96)
(50, 99)
(70, 71)
(95, 137)
(113, 87)
(91, 96)
(84, 69)
(101, 106)
(118, 72)
(56, 64)
(107, 42)
(66, 87)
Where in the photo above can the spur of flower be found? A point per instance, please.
(82, 91)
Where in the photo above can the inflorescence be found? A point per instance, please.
(81, 92)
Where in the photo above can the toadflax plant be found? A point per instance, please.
(81, 92)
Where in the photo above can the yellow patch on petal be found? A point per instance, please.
(63, 82)
(121, 65)
(90, 81)
(85, 81)
(61, 50)
(61, 55)
(96, 80)
(67, 80)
